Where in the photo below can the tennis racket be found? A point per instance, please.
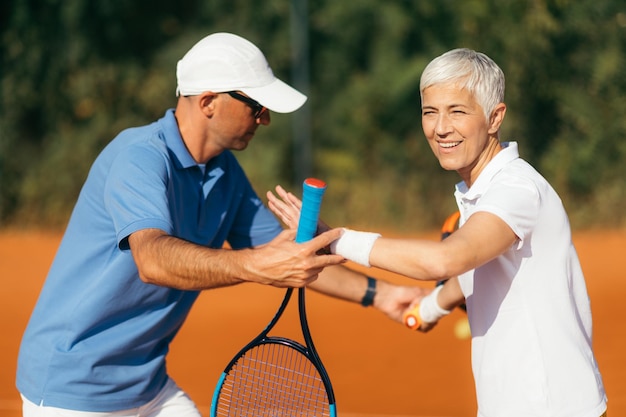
(277, 376)
(412, 318)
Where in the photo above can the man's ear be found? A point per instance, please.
(497, 117)
(207, 102)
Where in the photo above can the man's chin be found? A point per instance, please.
(241, 145)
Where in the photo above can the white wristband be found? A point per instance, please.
(430, 310)
(355, 246)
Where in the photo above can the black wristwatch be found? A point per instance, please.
(368, 298)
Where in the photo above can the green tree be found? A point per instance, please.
(75, 73)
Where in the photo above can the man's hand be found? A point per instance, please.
(284, 263)
(394, 300)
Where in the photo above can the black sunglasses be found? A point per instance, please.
(257, 108)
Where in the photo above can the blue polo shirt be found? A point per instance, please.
(98, 336)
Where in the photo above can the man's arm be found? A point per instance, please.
(165, 260)
(347, 284)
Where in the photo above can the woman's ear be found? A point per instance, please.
(497, 116)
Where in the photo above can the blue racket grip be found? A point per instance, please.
(312, 192)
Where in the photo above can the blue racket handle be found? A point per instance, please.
(312, 192)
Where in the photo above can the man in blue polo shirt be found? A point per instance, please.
(147, 234)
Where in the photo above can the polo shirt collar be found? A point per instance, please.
(508, 153)
(174, 141)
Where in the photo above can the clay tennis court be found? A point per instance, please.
(378, 368)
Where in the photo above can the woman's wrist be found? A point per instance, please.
(355, 246)
(430, 310)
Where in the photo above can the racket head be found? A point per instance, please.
(274, 377)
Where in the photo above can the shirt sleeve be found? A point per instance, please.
(516, 200)
(136, 192)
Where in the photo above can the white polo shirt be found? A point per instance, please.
(528, 309)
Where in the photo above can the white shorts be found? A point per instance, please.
(171, 401)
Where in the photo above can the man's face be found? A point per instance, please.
(456, 128)
(237, 122)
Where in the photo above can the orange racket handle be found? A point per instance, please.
(412, 318)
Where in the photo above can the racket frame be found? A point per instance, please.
(313, 191)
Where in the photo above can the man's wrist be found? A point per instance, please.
(370, 293)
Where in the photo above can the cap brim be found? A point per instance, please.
(277, 96)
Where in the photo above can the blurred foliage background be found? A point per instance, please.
(76, 72)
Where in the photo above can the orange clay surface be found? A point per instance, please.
(378, 367)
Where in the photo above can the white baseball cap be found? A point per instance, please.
(225, 62)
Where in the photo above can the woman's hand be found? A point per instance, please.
(286, 206)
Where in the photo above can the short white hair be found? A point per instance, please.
(470, 70)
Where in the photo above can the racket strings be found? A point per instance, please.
(273, 380)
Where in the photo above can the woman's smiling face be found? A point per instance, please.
(457, 130)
